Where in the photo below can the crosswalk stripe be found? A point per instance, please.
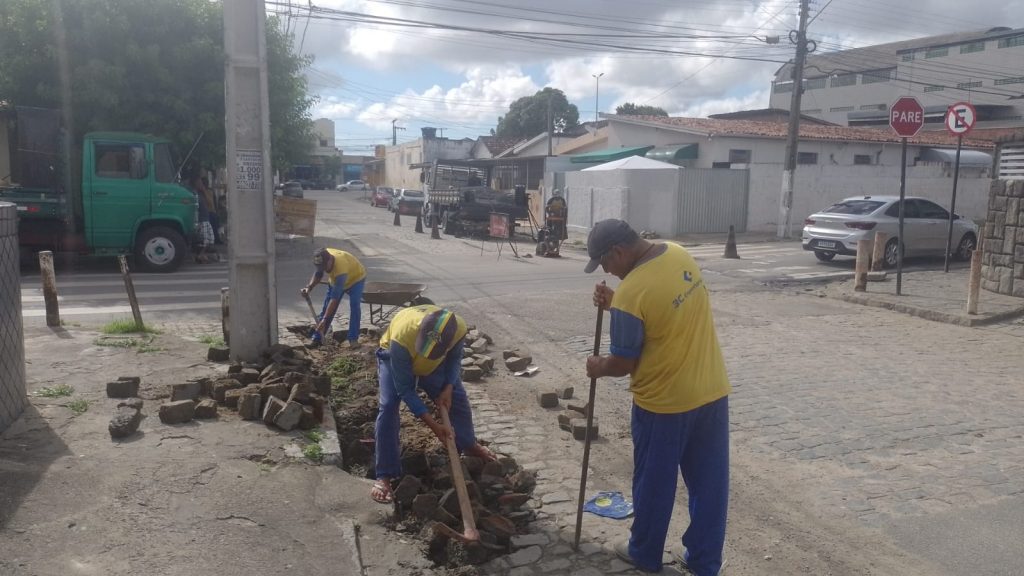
(37, 297)
(71, 277)
(117, 281)
(93, 310)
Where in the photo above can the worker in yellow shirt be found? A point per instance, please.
(345, 275)
(663, 337)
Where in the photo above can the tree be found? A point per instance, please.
(527, 116)
(631, 109)
(154, 67)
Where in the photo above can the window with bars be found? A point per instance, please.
(1011, 41)
(806, 157)
(814, 83)
(877, 76)
(844, 80)
(936, 52)
(1005, 81)
(972, 47)
(934, 88)
(873, 107)
(841, 109)
(861, 159)
(739, 156)
(908, 57)
(783, 87)
(969, 85)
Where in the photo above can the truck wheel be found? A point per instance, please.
(160, 249)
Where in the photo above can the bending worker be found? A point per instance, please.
(663, 337)
(421, 348)
(346, 275)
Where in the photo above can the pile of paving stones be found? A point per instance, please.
(128, 414)
(574, 417)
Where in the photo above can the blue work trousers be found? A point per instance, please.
(389, 448)
(695, 443)
(355, 305)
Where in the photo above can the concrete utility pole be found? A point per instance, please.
(253, 321)
(798, 37)
(597, 91)
(550, 125)
(394, 132)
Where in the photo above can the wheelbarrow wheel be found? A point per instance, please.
(421, 300)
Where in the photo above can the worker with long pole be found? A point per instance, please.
(663, 337)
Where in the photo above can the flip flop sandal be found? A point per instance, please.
(381, 493)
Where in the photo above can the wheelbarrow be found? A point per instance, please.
(386, 298)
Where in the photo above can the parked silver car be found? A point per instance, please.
(837, 229)
(351, 185)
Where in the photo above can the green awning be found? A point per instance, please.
(673, 153)
(608, 154)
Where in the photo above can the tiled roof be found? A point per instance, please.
(751, 128)
(498, 145)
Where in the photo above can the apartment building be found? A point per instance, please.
(855, 87)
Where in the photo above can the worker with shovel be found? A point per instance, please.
(346, 275)
(663, 337)
(422, 348)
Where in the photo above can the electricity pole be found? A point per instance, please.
(394, 132)
(798, 37)
(253, 319)
(597, 90)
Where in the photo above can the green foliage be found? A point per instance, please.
(314, 452)
(211, 340)
(527, 116)
(78, 406)
(314, 435)
(127, 326)
(58, 391)
(140, 345)
(343, 367)
(631, 109)
(154, 67)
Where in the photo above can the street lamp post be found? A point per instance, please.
(597, 90)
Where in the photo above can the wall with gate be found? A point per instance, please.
(12, 342)
(710, 200)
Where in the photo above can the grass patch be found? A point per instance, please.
(314, 452)
(127, 326)
(78, 406)
(214, 341)
(148, 348)
(56, 391)
(341, 369)
(117, 342)
(314, 436)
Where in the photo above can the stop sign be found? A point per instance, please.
(906, 116)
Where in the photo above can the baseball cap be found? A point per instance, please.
(603, 236)
(437, 334)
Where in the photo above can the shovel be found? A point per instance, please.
(470, 534)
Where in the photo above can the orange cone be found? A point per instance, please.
(730, 245)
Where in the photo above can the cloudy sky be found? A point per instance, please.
(457, 64)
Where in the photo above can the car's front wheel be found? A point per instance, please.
(967, 245)
(891, 256)
(824, 255)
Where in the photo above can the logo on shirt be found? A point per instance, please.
(687, 276)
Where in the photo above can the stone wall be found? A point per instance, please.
(1002, 268)
(12, 340)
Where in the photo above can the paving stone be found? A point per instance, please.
(522, 571)
(206, 409)
(231, 397)
(217, 354)
(472, 374)
(468, 361)
(221, 387)
(587, 572)
(250, 405)
(547, 399)
(567, 392)
(525, 556)
(580, 430)
(308, 419)
(277, 390)
(589, 548)
(555, 498)
(557, 565)
(423, 505)
(123, 388)
(289, 416)
(322, 384)
(270, 410)
(515, 363)
(407, 490)
(177, 412)
(125, 422)
(566, 419)
(525, 540)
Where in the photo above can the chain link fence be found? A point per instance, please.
(12, 342)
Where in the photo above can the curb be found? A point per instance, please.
(933, 315)
(330, 446)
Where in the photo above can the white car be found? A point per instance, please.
(837, 229)
(351, 185)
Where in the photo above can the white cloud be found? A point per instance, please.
(335, 110)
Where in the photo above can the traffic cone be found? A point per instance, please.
(419, 224)
(434, 234)
(730, 245)
(398, 219)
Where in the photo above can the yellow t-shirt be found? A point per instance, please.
(405, 328)
(346, 265)
(661, 315)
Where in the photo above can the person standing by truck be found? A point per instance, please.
(204, 231)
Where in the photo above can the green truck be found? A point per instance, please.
(113, 193)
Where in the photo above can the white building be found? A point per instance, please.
(856, 87)
(403, 163)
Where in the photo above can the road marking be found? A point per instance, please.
(94, 310)
(35, 296)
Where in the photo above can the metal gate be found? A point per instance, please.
(712, 199)
(12, 342)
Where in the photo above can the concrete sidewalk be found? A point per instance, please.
(933, 295)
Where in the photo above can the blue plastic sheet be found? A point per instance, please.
(609, 505)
